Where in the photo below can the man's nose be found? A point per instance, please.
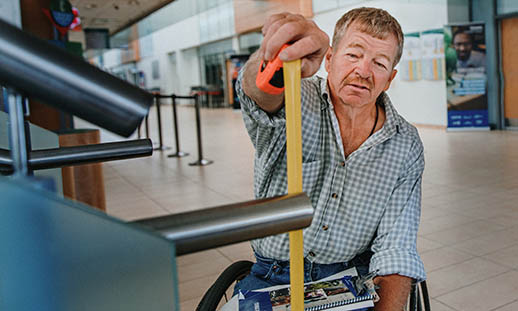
(363, 69)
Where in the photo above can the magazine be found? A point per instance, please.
(337, 294)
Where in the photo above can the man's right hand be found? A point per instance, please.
(307, 42)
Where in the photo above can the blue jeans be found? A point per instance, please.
(268, 272)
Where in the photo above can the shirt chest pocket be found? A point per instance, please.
(310, 175)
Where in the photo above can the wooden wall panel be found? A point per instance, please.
(510, 66)
(250, 15)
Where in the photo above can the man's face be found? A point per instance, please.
(360, 67)
(463, 45)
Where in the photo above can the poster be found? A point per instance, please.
(410, 65)
(466, 79)
(432, 59)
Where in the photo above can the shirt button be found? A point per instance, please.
(311, 254)
(325, 227)
(342, 163)
(334, 195)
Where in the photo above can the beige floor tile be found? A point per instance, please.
(195, 289)
(197, 258)
(425, 245)
(442, 223)
(464, 232)
(513, 306)
(443, 257)
(456, 276)
(488, 243)
(191, 304)
(485, 295)
(439, 306)
(507, 257)
(194, 271)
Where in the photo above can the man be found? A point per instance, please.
(466, 56)
(362, 162)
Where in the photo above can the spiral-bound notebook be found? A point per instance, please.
(333, 295)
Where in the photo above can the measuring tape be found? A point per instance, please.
(270, 75)
(271, 78)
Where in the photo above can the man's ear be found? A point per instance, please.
(329, 54)
(392, 76)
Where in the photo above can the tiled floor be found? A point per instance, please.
(468, 237)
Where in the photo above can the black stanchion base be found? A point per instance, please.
(201, 162)
(161, 148)
(178, 154)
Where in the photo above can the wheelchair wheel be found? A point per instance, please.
(222, 288)
(419, 300)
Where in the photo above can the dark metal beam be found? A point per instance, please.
(42, 70)
(67, 156)
(218, 226)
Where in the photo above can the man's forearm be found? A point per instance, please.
(394, 290)
(267, 102)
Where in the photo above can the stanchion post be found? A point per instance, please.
(159, 121)
(178, 153)
(147, 126)
(201, 161)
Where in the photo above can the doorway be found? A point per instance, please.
(509, 42)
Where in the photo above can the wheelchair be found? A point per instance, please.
(221, 290)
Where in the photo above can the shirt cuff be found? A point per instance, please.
(395, 261)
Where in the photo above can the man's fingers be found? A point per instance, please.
(272, 19)
(307, 46)
(287, 30)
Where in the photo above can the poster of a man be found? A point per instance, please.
(466, 76)
(467, 57)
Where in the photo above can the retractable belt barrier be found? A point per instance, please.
(178, 154)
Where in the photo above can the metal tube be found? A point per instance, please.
(218, 226)
(66, 156)
(17, 141)
(37, 68)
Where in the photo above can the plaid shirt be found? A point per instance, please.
(371, 198)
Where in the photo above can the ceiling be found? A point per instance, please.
(115, 14)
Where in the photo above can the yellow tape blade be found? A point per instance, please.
(294, 158)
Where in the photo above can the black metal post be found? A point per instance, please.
(147, 126)
(201, 161)
(178, 153)
(161, 146)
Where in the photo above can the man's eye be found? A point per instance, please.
(350, 55)
(381, 65)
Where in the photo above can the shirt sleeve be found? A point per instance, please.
(266, 130)
(395, 246)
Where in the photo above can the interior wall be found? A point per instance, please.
(188, 65)
(422, 102)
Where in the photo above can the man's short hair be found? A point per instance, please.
(372, 21)
(462, 31)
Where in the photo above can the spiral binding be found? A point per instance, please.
(339, 303)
